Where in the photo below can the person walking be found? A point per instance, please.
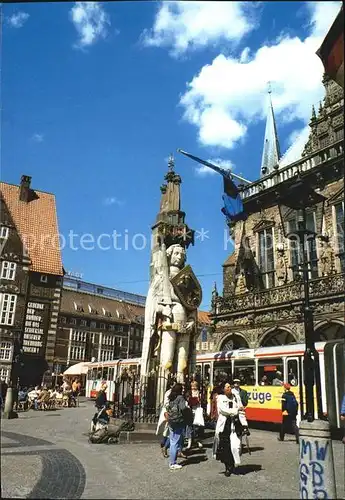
(175, 415)
(289, 414)
(228, 430)
(194, 402)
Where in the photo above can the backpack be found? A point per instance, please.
(291, 404)
(175, 415)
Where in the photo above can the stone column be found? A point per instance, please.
(316, 464)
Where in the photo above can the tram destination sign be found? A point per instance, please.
(34, 329)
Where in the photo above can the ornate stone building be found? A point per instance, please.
(31, 279)
(97, 322)
(263, 289)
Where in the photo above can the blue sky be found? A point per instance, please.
(96, 96)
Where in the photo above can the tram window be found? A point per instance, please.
(99, 374)
(111, 374)
(221, 373)
(105, 374)
(270, 371)
(207, 373)
(244, 369)
(292, 371)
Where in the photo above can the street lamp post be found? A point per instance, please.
(295, 204)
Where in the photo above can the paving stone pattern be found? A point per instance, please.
(47, 455)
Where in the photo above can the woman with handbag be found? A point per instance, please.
(227, 442)
(194, 402)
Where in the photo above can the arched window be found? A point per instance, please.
(331, 331)
(278, 337)
(232, 342)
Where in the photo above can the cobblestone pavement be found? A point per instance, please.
(47, 455)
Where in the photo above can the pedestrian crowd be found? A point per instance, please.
(182, 422)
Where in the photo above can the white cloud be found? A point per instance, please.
(203, 171)
(37, 137)
(190, 25)
(231, 93)
(90, 21)
(112, 200)
(297, 141)
(18, 19)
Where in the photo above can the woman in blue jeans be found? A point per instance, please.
(174, 414)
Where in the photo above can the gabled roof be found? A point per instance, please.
(37, 226)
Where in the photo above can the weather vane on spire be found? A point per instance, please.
(171, 162)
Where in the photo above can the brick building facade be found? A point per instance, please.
(263, 289)
(97, 322)
(31, 279)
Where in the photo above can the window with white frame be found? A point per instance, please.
(108, 340)
(73, 321)
(266, 257)
(77, 352)
(5, 373)
(295, 248)
(339, 224)
(83, 322)
(79, 336)
(7, 308)
(106, 355)
(5, 351)
(8, 270)
(102, 326)
(4, 232)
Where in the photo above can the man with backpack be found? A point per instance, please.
(289, 411)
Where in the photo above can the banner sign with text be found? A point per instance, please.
(35, 330)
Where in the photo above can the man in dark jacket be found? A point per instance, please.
(101, 399)
(289, 411)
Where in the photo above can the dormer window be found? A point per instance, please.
(106, 312)
(44, 278)
(4, 232)
(92, 310)
(78, 307)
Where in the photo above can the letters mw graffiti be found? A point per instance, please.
(312, 470)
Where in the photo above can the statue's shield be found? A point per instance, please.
(187, 288)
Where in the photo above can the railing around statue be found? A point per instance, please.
(141, 398)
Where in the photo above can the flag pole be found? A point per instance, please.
(208, 164)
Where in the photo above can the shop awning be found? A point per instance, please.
(77, 369)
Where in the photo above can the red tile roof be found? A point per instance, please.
(204, 318)
(37, 225)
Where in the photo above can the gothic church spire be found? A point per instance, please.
(271, 150)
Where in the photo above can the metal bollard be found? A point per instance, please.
(316, 464)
